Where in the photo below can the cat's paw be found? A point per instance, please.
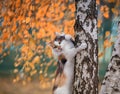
(83, 46)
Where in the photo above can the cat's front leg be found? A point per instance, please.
(74, 50)
(82, 46)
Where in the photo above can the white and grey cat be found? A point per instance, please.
(64, 50)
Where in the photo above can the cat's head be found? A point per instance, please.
(61, 41)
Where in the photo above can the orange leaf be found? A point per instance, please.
(72, 7)
(17, 3)
(1, 41)
(115, 11)
(33, 72)
(27, 20)
(1, 49)
(27, 1)
(100, 55)
(41, 33)
(107, 33)
(111, 1)
(106, 14)
(10, 13)
(99, 23)
(63, 7)
(107, 43)
(98, 2)
(5, 36)
(37, 1)
(14, 28)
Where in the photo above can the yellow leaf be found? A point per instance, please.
(36, 60)
(1, 49)
(27, 1)
(104, 8)
(107, 33)
(17, 78)
(99, 23)
(28, 79)
(63, 7)
(5, 35)
(27, 20)
(15, 71)
(14, 80)
(10, 13)
(32, 44)
(30, 54)
(17, 3)
(37, 1)
(24, 49)
(33, 72)
(72, 7)
(98, 2)
(115, 11)
(24, 83)
(32, 66)
(111, 1)
(16, 64)
(41, 12)
(107, 43)
(13, 28)
(41, 33)
(1, 41)
(100, 55)
(48, 51)
(106, 14)
(27, 69)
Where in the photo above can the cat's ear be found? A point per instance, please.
(50, 44)
(68, 37)
(57, 34)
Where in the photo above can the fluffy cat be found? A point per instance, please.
(64, 50)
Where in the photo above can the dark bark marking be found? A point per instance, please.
(113, 69)
(114, 49)
(91, 14)
(115, 56)
(78, 25)
(116, 89)
(103, 83)
(117, 62)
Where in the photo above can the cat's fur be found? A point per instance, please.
(64, 50)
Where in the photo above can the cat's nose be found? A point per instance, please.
(59, 48)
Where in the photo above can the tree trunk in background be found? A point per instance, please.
(111, 82)
(86, 66)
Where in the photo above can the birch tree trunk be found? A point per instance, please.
(86, 66)
(111, 82)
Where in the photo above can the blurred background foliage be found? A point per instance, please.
(26, 26)
(108, 17)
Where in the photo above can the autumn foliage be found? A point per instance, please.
(26, 26)
(108, 11)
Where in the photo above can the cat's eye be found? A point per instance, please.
(55, 47)
(59, 42)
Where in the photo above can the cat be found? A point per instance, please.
(64, 50)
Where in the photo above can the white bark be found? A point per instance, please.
(86, 66)
(111, 82)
